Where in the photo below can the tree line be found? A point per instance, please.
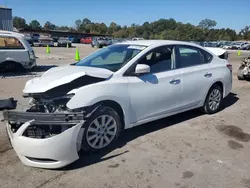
(162, 29)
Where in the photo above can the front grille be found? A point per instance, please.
(45, 125)
(14, 126)
(42, 131)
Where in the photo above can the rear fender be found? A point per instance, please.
(208, 88)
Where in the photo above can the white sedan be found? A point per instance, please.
(86, 105)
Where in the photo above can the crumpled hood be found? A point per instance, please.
(62, 75)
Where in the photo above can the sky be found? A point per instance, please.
(234, 14)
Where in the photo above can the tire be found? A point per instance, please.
(94, 137)
(213, 100)
(11, 66)
(240, 74)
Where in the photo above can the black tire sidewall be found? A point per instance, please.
(103, 110)
(206, 107)
(11, 66)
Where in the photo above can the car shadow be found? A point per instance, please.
(36, 71)
(229, 101)
(88, 158)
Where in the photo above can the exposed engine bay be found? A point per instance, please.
(49, 111)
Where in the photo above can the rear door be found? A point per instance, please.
(197, 75)
(13, 50)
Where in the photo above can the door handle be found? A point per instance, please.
(208, 75)
(175, 81)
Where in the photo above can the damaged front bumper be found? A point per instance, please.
(53, 147)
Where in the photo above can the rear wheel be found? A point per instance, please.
(101, 129)
(213, 100)
(240, 74)
(10, 66)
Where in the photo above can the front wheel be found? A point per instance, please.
(101, 129)
(240, 74)
(213, 100)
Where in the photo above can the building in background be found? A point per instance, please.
(6, 22)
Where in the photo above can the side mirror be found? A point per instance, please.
(142, 69)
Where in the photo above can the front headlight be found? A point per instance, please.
(58, 104)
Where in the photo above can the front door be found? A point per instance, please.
(157, 93)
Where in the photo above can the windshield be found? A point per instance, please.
(112, 57)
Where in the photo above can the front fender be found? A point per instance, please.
(92, 94)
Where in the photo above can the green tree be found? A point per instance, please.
(19, 22)
(49, 26)
(113, 27)
(207, 24)
(245, 33)
(34, 24)
(86, 21)
(160, 29)
(78, 24)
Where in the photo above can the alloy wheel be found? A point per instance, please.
(101, 131)
(214, 99)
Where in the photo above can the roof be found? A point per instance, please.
(1, 7)
(2, 32)
(215, 51)
(157, 42)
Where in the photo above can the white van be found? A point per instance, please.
(15, 52)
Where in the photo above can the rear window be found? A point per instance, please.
(10, 43)
(192, 56)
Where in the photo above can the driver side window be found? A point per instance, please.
(159, 59)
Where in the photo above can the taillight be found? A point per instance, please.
(230, 67)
